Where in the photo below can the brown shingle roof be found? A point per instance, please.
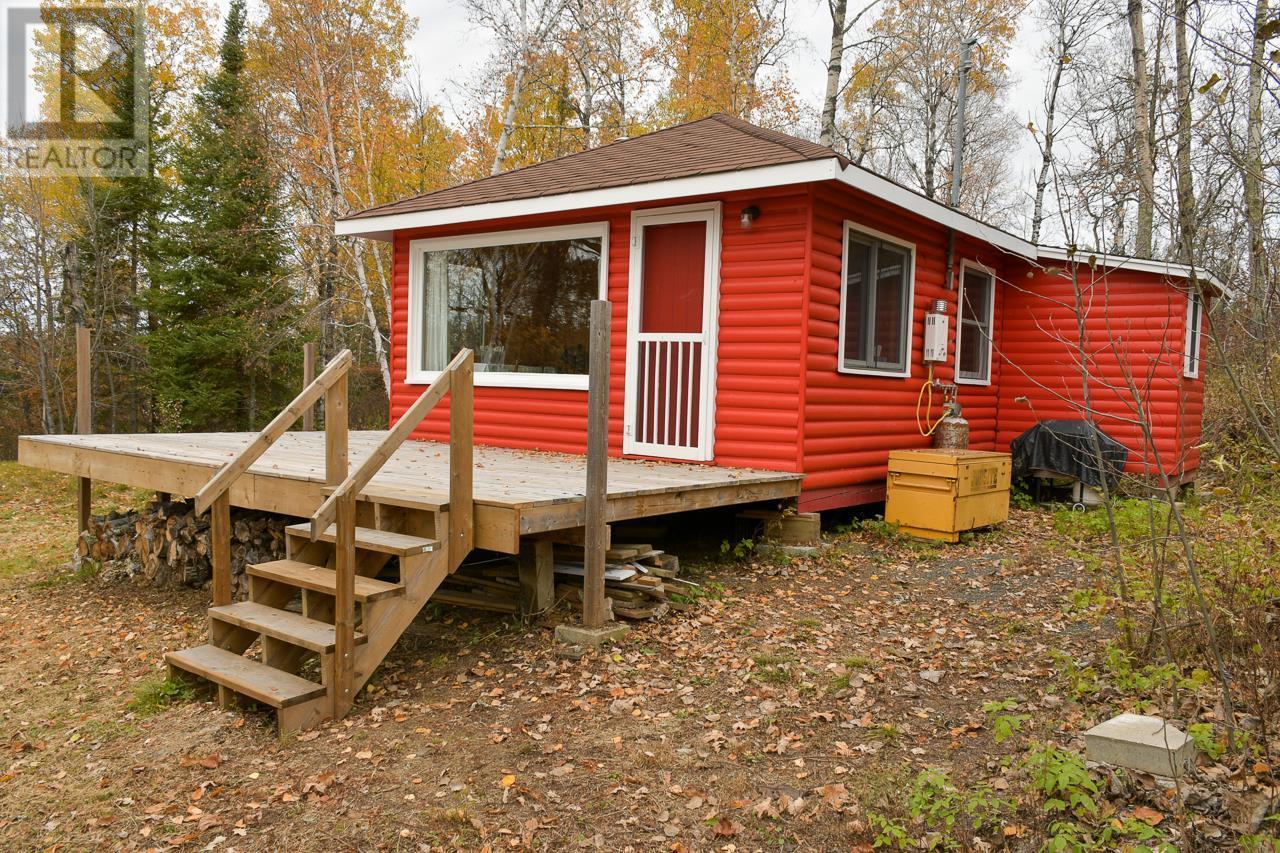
(718, 143)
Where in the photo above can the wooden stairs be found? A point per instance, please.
(288, 620)
(317, 624)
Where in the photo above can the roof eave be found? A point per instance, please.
(1112, 261)
(804, 171)
(899, 196)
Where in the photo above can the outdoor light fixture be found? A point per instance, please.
(749, 216)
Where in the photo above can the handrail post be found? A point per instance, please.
(309, 376)
(335, 432)
(220, 548)
(344, 607)
(461, 444)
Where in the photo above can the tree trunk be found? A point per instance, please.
(834, 61)
(1253, 205)
(508, 123)
(371, 317)
(1182, 144)
(1046, 148)
(1143, 153)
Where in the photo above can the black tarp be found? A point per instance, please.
(1067, 448)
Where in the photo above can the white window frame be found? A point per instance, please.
(965, 266)
(1191, 354)
(910, 306)
(418, 249)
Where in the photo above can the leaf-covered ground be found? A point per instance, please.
(821, 703)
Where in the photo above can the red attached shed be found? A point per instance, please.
(769, 310)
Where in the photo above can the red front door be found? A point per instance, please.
(670, 342)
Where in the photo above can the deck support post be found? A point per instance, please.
(84, 420)
(537, 575)
(220, 545)
(309, 376)
(344, 607)
(596, 534)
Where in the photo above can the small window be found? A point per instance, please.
(973, 336)
(520, 300)
(1191, 351)
(875, 317)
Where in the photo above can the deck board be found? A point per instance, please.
(516, 491)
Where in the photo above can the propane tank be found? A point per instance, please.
(953, 432)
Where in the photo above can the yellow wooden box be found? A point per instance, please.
(937, 494)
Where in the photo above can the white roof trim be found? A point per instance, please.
(380, 227)
(1166, 268)
(898, 195)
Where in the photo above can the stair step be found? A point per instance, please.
(275, 687)
(281, 624)
(382, 541)
(307, 576)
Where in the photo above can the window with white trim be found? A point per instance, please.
(875, 310)
(973, 334)
(521, 300)
(1191, 346)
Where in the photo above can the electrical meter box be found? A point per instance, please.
(935, 337)
(938, 494)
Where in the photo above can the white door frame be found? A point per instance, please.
(710, 213)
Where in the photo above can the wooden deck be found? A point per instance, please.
(517, 492)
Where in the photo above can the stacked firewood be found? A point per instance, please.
(166, 544)
(638, 582)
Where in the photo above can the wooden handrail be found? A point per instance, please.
(231, 471)
(390, 443)
(340, 508)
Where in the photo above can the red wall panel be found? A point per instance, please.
(760, 317)
(1134, 333)
(852, 421)
(780, 401)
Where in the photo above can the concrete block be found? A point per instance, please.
(1148, 744)
(579, 635)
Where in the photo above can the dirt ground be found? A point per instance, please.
(788, 708)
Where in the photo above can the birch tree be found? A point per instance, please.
(1143, 146)
(522, 30)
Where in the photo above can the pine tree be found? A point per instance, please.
(223, 311)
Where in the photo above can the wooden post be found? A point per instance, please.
(593, 610)
(335, 432)
(220, 545)
(84, 419)
(309, 376)
(461, 437)
(537, 575)
(344, 607)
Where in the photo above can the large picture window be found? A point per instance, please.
(973, 335)
(875, 311)
(521, 300)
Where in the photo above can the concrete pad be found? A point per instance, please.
(579, 635)
(1138, 742)
(771, 550)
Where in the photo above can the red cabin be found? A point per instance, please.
(769, 304)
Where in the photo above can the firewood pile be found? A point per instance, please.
(166, 545)
(639, 582)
